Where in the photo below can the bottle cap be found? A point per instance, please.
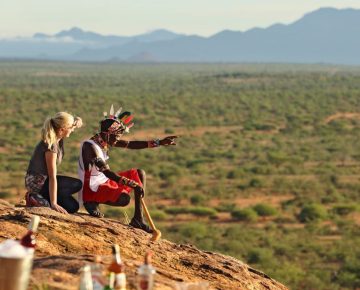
(97, 259)
(148, 257)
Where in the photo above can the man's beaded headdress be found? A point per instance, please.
(120, 121)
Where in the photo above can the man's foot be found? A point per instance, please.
(35, 200)
(139, 224)
(93, 209)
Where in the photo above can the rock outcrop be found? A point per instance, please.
(67, 242)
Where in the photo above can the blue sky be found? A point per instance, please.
(130, 17)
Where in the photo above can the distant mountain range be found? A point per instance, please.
(327, 35)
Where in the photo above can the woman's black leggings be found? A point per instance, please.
(66, 187)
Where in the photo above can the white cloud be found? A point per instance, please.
(66, 39)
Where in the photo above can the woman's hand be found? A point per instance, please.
(169, 140)
(58, 208)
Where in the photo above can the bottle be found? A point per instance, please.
(110, 285)
(28, 240)
(117, 267)
(145, 274)
(85, 279)
(97, 274)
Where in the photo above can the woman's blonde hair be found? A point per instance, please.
(53, 124)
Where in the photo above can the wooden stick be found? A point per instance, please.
(156, 233)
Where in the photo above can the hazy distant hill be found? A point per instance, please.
(66, 43)
(326, 35)
(91, 37)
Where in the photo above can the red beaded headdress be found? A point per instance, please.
(121, 121)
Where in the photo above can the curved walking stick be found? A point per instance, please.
(156, 234)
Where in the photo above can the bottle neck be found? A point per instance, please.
(116, 254)
(147, 260)
(34, 223)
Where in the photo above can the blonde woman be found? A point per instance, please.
(44, 186)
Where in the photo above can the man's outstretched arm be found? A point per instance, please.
(167, 141)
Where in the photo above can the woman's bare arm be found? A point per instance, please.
(50, 158)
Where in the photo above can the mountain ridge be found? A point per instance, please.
(326, 35)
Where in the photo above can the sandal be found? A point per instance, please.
(93, 209)
(35, 200)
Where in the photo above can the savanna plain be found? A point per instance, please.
(267, 166)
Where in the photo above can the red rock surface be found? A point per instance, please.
(67, 242)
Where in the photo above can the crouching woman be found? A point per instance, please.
(44, 186)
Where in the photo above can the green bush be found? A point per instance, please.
(168, 171)
(202, 211)
(193, 230)
(312, 212)
(226, 207)
(332, 196)
(343, 209)
(262, 169)
(234, 174)
(176, 210)
(199, 211)
(159, 215)
(349, 274)
(260, 256)
(264, 127)
(5, 194)
(277, 158)
(264, 209)
(114, 212)
(247, 214)
(197, 199)
(169, 131)
(255, 182)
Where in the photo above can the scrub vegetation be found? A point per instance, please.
(266, 170)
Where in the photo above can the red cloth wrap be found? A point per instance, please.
(110, 190)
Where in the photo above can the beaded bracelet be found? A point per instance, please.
(154, 143)
(128, 182)
(123, 180)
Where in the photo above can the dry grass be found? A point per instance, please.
(250, 201)
(248, 80)
(180, 131)
(342, 116)
(54, 74)
(4, 150)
